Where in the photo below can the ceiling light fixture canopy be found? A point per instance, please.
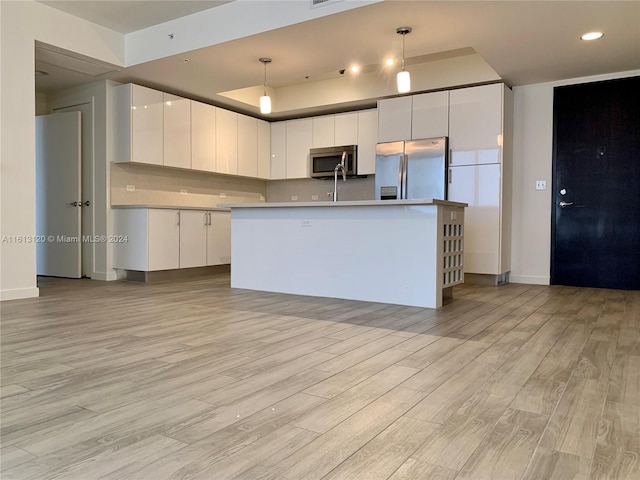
(404, 79)
(265, 100)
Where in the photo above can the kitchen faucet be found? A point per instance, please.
(339, 166)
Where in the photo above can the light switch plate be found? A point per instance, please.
(131, 188)
(183, 192)
(541, 184)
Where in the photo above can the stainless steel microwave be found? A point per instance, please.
(323, 161)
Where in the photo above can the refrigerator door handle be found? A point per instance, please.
(404, 162)
(449, 175)
(400, 176)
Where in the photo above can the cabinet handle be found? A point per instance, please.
(178, 218)
(206, 219)
(209, 215)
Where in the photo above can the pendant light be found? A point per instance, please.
(265, 100)
(404, 79)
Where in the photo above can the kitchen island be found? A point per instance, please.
(405, 252)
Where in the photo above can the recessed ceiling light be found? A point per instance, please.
(592, 36)
(389, 62)
(355, 68)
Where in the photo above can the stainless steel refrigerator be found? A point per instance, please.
(412, 169)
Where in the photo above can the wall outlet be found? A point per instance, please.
(305, 223)
(183, 192)
(131, 188)
(541, 184)
(294, 197)
(314, 197)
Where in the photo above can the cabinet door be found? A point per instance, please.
(430, 115)
(475, 125)
(299, 133)
(164, 239)
(193, 238)
(346, 129)
(226, 141)
(247, 146)
(219, 238)
(394, 119)
(479, 186)
(323, 131)
(177, 131)
(278, 150)
(264, 150)
(203, 137)
(367, 140)
(147, 142)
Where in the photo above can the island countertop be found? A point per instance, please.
(348, 203)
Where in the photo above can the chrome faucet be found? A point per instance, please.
(339, 166)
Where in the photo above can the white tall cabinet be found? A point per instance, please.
(480, 142)
(247, 146)
(367, 139)
(298, 143)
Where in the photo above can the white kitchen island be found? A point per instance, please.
(405, 252)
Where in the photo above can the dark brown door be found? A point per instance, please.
(596, 185)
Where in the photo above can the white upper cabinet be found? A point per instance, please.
(278, 165)
(430, 115)
(264, 150)
(394, 119)
(367, 139)
(226, 141)
(138, 125)
(203, 136)
(413, 117)
(323, 131)
(177, 131)
(475, 124)
(299, 138)
(346, 129)
(247, 146)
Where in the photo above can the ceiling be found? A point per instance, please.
(523, 43)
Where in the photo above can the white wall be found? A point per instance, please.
(532, 160)
(21, 23)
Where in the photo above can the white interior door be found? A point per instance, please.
(88, 204)
(58, 195)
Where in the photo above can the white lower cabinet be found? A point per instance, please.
(193, 238)
(166, 239)
(219, 238)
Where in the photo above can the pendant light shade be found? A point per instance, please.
(265, 104)
(404, 78)
(265, 100)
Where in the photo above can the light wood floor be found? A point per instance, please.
(192, 379)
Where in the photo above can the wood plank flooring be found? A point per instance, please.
(194, 380)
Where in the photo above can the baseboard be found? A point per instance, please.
(180, 273)
(484, 279)
(104, 276)
(18, 293)
(530, 279)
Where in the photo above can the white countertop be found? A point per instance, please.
(352, 203)
(173, 207)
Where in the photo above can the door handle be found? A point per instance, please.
(565, 204)
(85, 204)
(73, 204)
